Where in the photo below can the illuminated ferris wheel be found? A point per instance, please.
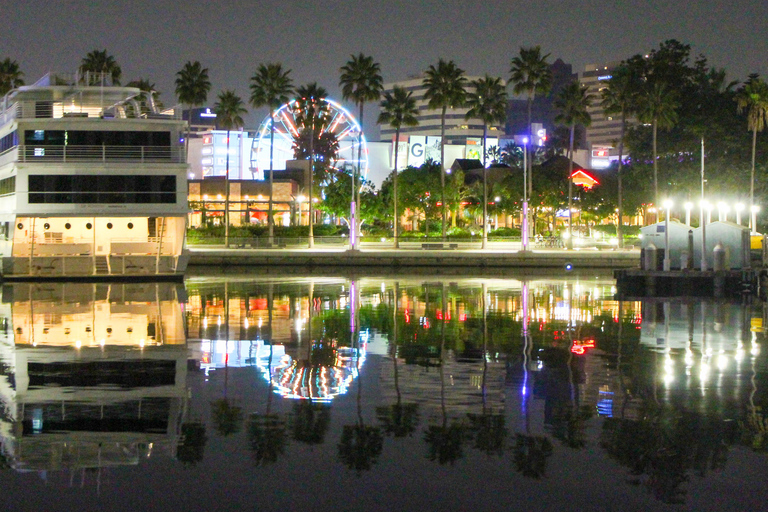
(342, 124)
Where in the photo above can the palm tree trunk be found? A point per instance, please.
(311, 180)
(395, 222)
(570, 189)
(270, 220)
(485, 190)
(655, 174)
(752, 177)
(619, 224)
(226, 198)
(442, 167)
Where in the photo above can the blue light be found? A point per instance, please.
(568, 267)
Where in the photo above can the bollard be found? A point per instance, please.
(719, 254)
(685, 260)
(649, 258)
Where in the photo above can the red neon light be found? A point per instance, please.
(580, 347)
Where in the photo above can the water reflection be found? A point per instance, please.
(521, 382)
(93, 375)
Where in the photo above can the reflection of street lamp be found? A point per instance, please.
(667, 206)
(688, 206)
(739, 208)
(754, 209)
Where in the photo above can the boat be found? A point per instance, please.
(93, 182)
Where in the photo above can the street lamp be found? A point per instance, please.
(300, 199)
(754, 209)
(667, 206)
(688, 207)
(739, 208)
(705, 207)
(525, 194)
(722, 211)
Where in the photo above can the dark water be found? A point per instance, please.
(409, 393)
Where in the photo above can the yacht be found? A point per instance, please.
(93, 182)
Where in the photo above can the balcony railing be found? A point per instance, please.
(142, 154)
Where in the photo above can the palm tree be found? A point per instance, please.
(229, 115)
(753, 97)
(573, 102)
(192, 88)
(487, 102)
(360, 82)
(311, 113)
(530, 73)
(618, 97)
(100, 62)
(398, 109)
(271, 87)
(445, 88)
(10, 76)
(657, 106)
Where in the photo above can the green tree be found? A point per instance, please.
(271, 87)
(418, 184)
(192, 88)
(445, 87)
(487, 102)
(229, 111)
(752, 97)
(530, 74)
(398, 109)
(98, 61)
(191, 445)
(573, 103)
(360, 82)
(11, 76)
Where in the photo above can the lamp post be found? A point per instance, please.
(525, 194)
(688, 207)
(705, 207)
(754, 209)
(739, 208)
(722, 211)
(300, 199)
(667, 207)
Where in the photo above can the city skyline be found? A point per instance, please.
(153, 39)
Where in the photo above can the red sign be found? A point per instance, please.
(599, 153)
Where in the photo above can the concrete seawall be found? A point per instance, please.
(404, 259)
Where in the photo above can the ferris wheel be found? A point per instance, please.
(342, 124)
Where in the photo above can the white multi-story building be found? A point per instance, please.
(89, 184)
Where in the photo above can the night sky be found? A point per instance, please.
(153, 38)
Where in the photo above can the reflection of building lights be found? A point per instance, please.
(245, 323)
(260, 323)
(580, 347)
(722, 362)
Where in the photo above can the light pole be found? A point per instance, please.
(525, 194)
(722, 211)
(754, 209)
(299, 200)
(667, 206)
(688, 206)
(705, 207)
(739, 208)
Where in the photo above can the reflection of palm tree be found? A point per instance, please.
(266, 436)
(360, 446)
(227, 418)
(531, 453)
(490, 432)
(399, 419)
(192, 443)
(445, 442)
(310, 422)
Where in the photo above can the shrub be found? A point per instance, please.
(505, 232)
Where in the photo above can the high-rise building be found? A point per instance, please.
(457, 128)
(604, 133)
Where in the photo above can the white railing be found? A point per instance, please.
(48, 153)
